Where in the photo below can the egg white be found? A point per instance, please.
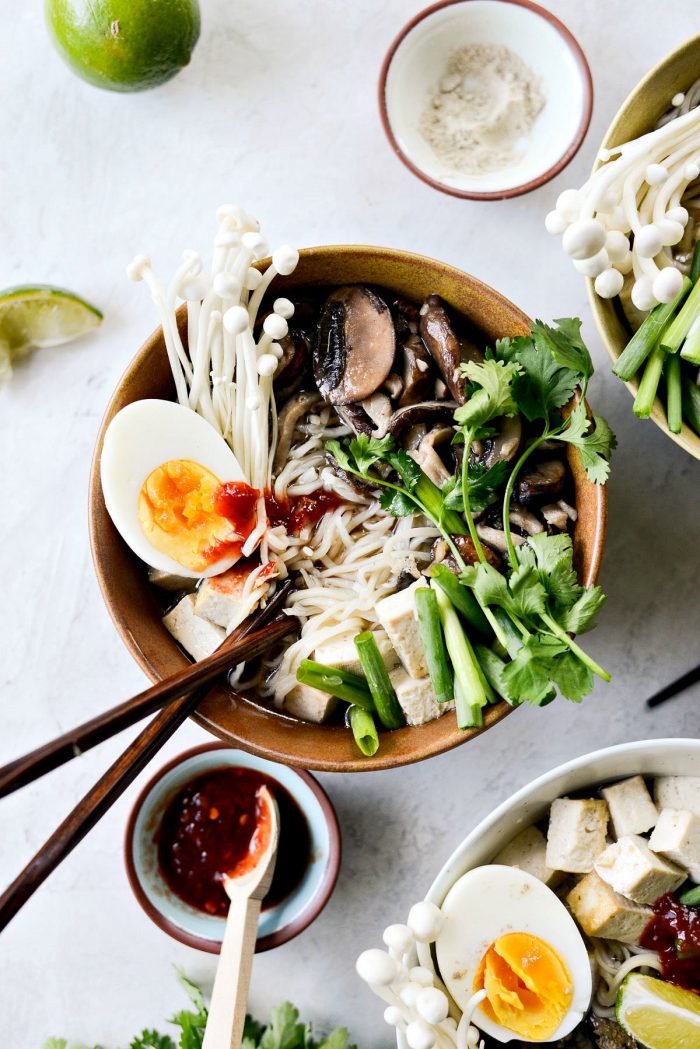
(489, 902)
(141, 437)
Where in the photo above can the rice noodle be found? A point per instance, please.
(612, 962)
(348, 561)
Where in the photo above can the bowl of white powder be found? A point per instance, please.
(485, 99)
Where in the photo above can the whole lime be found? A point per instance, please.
(124, 45)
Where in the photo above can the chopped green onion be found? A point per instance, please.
(691, 402)
(647, 335)
(386, 704)
(691, 898)
(461, 598)
(690, 350)
(676, 332)
(492, 667)
(649, 385)
(364, 730)
(695, 263)
(434, 644)
(673, 393)
(470, 693)
(351, 688)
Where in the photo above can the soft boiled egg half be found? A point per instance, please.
(174, 489)
(506, 933)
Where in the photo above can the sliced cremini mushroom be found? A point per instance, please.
(296, 407)
(413, 436)
(525, 520)
(448, 351)
(378, 408)
(355, 345)
(418, 376)
(296, 350)
(543, 482)
(497, 538)
(354, 416)
(556, 517)
(443, 555)
(393, 386)
(426, 411)
(506, 443)
(428, 458)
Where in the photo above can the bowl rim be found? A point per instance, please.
(110, 594)
(567, 156)
(274, 939)
(687, 439)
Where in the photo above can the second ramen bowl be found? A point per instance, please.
(244, 720)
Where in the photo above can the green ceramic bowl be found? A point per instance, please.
(639, 114)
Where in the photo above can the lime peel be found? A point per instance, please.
(658, 1014)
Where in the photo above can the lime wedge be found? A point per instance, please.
(38, 316)
(657, 1014)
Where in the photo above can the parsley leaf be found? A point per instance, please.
(594, 448)
(495, 396)
(565, 344)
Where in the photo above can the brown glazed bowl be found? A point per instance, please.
(638, 114)
(244, 720)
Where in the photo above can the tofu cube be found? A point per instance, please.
(527, 851)
(678, 792)
(677, 837)
(576, 835)
(197, 636)
(397, 614)
(416, 697)
(309, 704)
(631, 809)
(600, 911)
(170, 580)
(340, 653)
(632, 869)
(220, 598)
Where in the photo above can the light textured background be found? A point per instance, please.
(277, 111)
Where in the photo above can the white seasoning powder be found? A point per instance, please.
(483, 109)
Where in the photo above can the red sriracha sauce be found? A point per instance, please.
(218, 825)
(674, 932)
(300, 511)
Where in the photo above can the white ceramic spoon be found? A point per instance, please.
(246, 891)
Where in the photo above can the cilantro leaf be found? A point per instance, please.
(528, 594)
(543, 385)
(528, 677)
(484, 487)
(573, 679)
(152, 1040)
(595, 448)
(397, 503)
(407, 468)
(337, 1039)
(366, 451)
(580, 617)
(521, 595)
(341, 455)
(565, 344)
(284, 1030)
(495, 396)
(552, 555)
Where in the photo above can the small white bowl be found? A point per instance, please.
(416, 59)
(656, 757)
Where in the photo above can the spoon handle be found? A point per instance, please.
(230, 995)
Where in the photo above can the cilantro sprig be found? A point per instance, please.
(539, 603)
(284, 1031)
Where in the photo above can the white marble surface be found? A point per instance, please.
(277, 111)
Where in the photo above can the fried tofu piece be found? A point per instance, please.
(600, 911)
(417, 698)
(197, 636)
(576, 835)
(528, 851)
(309, 704)
(397, 614)
(220, 598)
(678, 792)
(631, 809)
(341, 653)
(677, 837)
(632, 869)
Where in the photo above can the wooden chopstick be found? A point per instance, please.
(77, 740)
(672, 689)
(118, 777)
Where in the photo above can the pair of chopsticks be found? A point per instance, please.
(691, 677)
(178, 696)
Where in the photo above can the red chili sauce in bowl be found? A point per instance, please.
(674, 932)
(214, 826)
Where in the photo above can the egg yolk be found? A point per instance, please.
(528, 987)
(183, 513)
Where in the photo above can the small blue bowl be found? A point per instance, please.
(193, 927)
